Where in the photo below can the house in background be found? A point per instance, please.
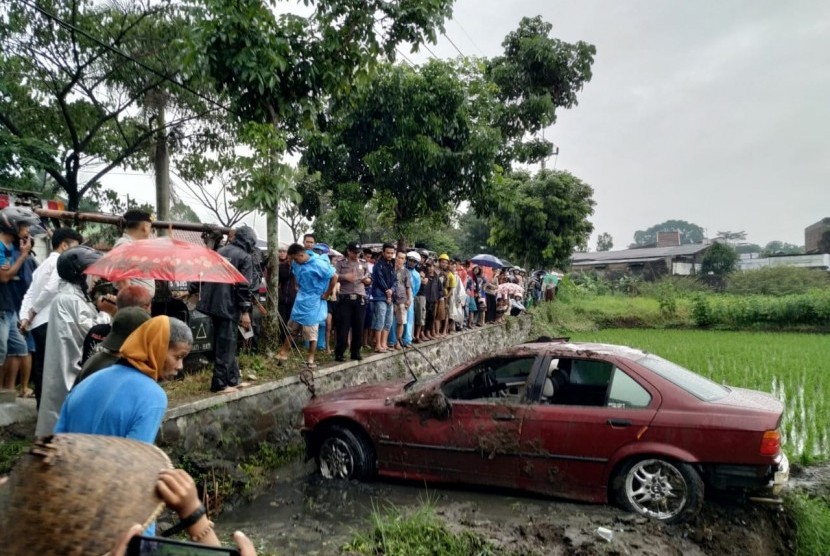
(817, 237)
(668, 257)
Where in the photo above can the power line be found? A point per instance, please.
(407, 60)
(428, 49)
(157, 73)
(468, 36)
(446, 36)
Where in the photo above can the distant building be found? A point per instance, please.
(649, 263)
(817, 237)
(819, 261)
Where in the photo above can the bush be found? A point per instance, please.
(701, 313)
(809, 309)
(778, 280)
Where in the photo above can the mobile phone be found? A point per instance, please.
(158, 546)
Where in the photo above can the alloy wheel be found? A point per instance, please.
(656, 488)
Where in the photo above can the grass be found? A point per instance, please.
(811, 518)
(195, 384)
(11, 449)
(417, 533)
(794, 367)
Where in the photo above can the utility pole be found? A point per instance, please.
(162, 168)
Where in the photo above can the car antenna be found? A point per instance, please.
(413, 346)
(411, 372)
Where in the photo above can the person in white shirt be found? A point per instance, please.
(138, 225)
(34, 311)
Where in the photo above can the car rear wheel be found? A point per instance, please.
(345, 454)
(665, 490)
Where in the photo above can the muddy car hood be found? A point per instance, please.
(379, 391)
(752, 400)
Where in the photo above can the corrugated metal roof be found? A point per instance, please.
(614, 261)
(638, 254)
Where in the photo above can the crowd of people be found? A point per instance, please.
(385, 299)
(95, 355)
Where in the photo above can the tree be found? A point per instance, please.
(742, 248)
(71, 103)
(210, 182)
(605, 242)
(732, 237)
(541, 219)
(278, 70)
(413, 141)
(474, 235)
(775, 248)
(719, 260)
(689, 233)
(536, 75)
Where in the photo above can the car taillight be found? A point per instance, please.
(770, 443)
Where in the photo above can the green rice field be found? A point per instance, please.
(794, 367)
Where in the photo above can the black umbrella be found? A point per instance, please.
(487, 260)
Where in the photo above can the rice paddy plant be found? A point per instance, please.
(793, 367)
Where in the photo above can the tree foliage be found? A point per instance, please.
(774, 248)
(72, 106)
(412, 140)
(719, 260)
(539, 220)
(605, 242)
(535, 75)
(689, 233)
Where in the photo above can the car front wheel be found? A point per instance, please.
(345, 454)
(671, 492)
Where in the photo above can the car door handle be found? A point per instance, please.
(619, 422)
(503, 417)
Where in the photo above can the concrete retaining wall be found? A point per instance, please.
(219, 430)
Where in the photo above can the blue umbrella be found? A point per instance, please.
(487, 260)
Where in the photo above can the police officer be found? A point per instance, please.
(354, 277)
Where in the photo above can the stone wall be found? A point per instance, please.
(220, 430)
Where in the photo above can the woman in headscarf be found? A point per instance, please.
(125, 399)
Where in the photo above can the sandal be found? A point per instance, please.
(227, 390)
(281, 359)
(27, 393)
(310, 365)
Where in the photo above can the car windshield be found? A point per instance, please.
(693, 383)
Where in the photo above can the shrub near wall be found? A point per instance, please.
(809, 310)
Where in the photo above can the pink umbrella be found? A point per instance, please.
(165, 259)
(511, 289)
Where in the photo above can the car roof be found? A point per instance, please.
(577, 349)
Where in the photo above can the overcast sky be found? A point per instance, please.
(714, 112)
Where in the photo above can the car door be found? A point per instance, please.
(567, 441)
(478, 440)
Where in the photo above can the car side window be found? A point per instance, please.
(625, 392)
(498, 379)
(577, 382)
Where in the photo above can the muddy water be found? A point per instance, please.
(305, 514)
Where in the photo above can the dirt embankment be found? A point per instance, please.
(568, 529)
(724, 527)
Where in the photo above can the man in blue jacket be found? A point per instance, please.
(316, 279)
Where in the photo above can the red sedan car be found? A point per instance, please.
(590, 422)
